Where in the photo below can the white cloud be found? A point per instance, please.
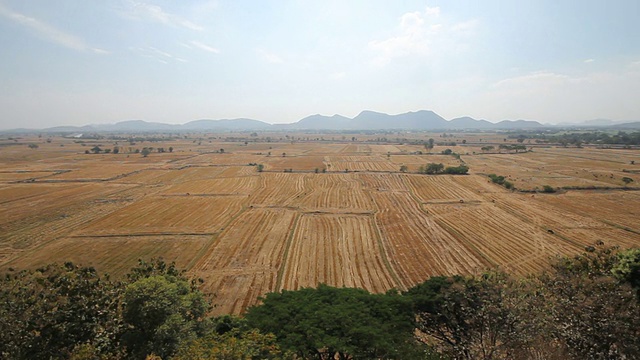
(416, 35)
(204, 47)
(145, 11)
(588, 61)
(269, 57)
(49, 32)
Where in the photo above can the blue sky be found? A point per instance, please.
(76, 62)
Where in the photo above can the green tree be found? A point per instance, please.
(96, 149)
(433, 168)
(33, 146)
(260, 167)
(145, 152)
(231, 345)
(328, 321)
(627, 180)
(456, 170)
(161, 309)
(403, 168)
(45, 313)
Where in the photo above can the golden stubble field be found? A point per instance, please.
(324, 209)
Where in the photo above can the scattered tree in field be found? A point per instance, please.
(487, 148)
(627, 180)
(548, 189)
(116, 150)
(447, 152)
(429, 145)
(170, 149)
(456, 170)
(260, 167)
(500, 180)
(222, 151)
(403, 168)
(33, 146)
(96, 149)
(145, 152)
(433, 168)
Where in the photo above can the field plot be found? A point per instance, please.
(384, 149)
(171, 176)
(334, 192)
(440, 188)
(116, 255)
(619, 209)
(296, 163)
(237, 159)
(338, 250)
(326, 149)
(359, 163)
(49, 200)
(244, 185)
(279, 189)
(556, 168)
(243, 263)
(169, 215)
(498, 236)
(93, 172)
(416, 245)
(11, 176)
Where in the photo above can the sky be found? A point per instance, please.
(78, 62)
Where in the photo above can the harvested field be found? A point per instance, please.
(296, 163)
(244, 262)
(416, 245)
(279, 189)
(117, 255)
(334, 192)
(338, 250)
(363, 223)
(168, 215)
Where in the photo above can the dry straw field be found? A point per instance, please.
(251, 216)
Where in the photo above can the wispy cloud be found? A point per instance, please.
(48, 32)
(589, 61)
(269, 56)
(533, 79)
(144, 11)
(204, 47)
(416, 34)
(157, 54)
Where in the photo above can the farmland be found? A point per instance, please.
(254, 215)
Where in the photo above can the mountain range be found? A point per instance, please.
(366, 120)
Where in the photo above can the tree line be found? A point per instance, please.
(583, 307)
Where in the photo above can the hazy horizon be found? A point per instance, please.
(73, 63)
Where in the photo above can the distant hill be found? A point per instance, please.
(630, 125)
(225, 124)
(321, 122)
(366, 120)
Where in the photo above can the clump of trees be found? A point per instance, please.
(501, 180)
(438, 168)
(583, 307)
